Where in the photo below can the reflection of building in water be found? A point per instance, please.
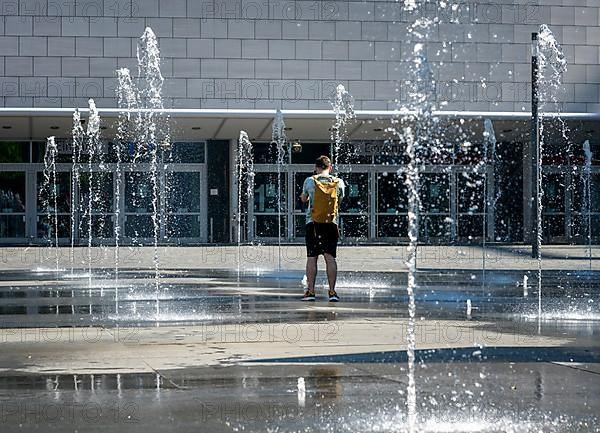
(319, 316)
(324, 383)
(80, 382)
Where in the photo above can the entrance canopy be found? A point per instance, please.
(307, 125)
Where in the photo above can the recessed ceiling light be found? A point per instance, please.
(196, 128)
(54, 127)
(6, 127)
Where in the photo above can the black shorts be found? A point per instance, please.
(321, 238)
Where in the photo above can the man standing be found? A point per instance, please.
(323, 193)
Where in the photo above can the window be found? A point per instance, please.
(12, 204)
(310, 152)
(45, 206)
(266, 153)
(392, 205)
(186, 153)
(14, 152)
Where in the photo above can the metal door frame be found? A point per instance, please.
(164, 169)
(286, 171)
(31, 170)
(24, 168)
(289, 171)
(570, 215)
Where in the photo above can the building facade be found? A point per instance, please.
(228, 65)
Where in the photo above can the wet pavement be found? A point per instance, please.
(136, 298)
(491, 397)
(260, 258)
(208, 350)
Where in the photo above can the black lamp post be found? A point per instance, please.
(535, 146)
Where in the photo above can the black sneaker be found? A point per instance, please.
(309, 295)
(333, 296)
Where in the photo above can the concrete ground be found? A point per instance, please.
(204, 349)
(145, 350)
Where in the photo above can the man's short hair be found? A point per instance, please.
(323, 162)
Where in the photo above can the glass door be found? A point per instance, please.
(553, 206)
(267, 205)
(183, 185)
(435, 219)
(392, 205)
(180, 213)
(184, 217)
(585, 211)
(139, 202)
(470, 204)
(354, 207)
(299, 214)
(46, 211)
(12, 205)
(375, 205)
(95, 207)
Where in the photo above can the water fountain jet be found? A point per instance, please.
(548, 66)
(413, 129)
(279, 138)
(94, 151)
(343, 108)
(78, 140)
(51, 200)
(245, 178)
(144, 128)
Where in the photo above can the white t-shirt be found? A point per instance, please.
(309, 189)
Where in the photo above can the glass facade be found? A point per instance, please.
(269, 205)
(392, 205)
(12, 204)
(435, 216)
(184, 204)
(586, 206)
(354, 208)
(471, 202)
(47, 215)
(101, 195)
(462, 198)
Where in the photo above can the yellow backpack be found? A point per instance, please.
(325, 200)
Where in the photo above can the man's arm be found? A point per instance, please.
(341, 189)
(304, 196)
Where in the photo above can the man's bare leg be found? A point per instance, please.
(311, 272)
(331, 264)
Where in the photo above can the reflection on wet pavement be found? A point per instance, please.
(491, 397)
(540, 379)
(218, 296)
